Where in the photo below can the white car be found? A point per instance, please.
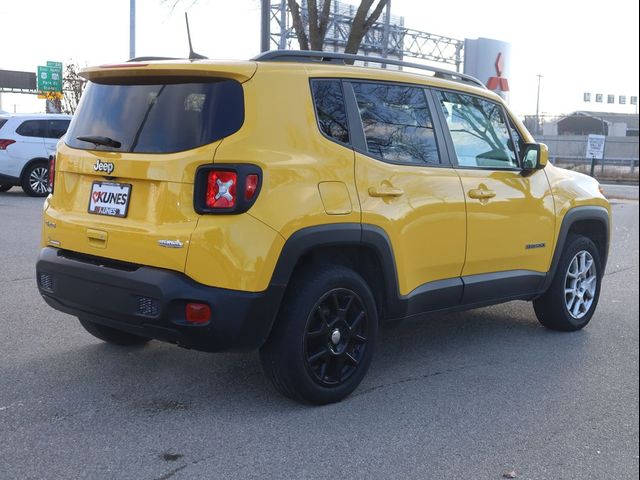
(26, 141)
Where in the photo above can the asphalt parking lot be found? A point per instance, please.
(465, 396)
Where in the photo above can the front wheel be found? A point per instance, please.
(322, 343)
(572, 298)
(35, 180)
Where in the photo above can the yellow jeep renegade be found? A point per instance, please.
(293, 202)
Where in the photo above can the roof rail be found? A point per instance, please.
(317, 56)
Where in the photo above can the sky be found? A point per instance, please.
(577, 46)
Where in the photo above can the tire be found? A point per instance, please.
(5, 188)
(35, 180)
(323, 339)
(111, 335)
(571, 300)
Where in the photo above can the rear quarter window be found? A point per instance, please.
(330, 109)
(163, 117)
(2, 122)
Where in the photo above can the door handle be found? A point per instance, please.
(385, 191)
(481, 194)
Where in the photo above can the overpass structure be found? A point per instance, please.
(387, 38)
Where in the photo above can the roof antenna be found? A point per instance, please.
(192, 55)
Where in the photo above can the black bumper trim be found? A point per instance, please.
(241, 321)
(9, 180)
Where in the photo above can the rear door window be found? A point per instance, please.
(57, 128)
(397, 123)
(162, 117)
(330, 109)
(32, 128)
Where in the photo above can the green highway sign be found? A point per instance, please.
(50, 77)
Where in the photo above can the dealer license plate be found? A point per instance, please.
(110, 199)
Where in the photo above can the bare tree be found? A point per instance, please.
(72, 87)
(318, 19)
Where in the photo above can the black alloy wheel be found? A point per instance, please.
(335, 337)
(323, 339)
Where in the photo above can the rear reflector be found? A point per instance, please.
(197, 313)
(4, 143)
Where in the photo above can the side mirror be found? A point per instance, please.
(536, 157)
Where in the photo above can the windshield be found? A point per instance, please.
(158, 118)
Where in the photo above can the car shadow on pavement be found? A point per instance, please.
(161, 379)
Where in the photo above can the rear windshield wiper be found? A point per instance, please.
(97, 140)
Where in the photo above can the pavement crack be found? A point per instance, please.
(621, 270)
(171, 473)
(417, 378)
(21, 279)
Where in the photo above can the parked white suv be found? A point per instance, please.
(26, 141)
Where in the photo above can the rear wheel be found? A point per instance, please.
(5, 188)
(572, 298)
(111, 335)
(322, 343)
(35, 180)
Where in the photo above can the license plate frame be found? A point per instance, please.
(114, 192)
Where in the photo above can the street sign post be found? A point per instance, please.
(595, 149)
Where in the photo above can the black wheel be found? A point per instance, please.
(5, 188)
(35, 180)
(323, 340)
(572, 298)
(111, 335)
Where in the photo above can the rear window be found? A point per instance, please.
(158, 118)
(2, 122)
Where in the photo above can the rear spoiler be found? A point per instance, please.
(240, 71)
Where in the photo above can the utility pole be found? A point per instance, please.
(132, 28)
(538, 107)
(265, 32)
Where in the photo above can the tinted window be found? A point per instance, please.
(479, 132)
(57, 128)
(2, 121)
(158, 118)
(397, 123)
(330, 109)
(32, 128)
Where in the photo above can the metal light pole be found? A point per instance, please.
(538, 107)
(132, 28)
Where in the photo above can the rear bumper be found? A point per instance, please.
(151, 302)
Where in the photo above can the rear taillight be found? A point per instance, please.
(52, 172)
(226, 189)
(4, 143)
(221, 189)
